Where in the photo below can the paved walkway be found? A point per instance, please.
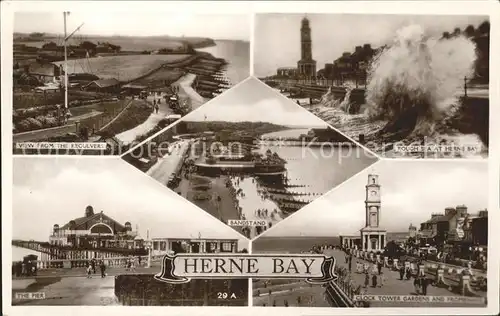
(310, 296)
(154, 118)
(186, 91)
(76, 291)
(165, 166)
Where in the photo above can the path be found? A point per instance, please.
(186, 91)
(392, 285)
(41, 134)
(165, 166)
(129, 136)
(310, 295)
(76, 291)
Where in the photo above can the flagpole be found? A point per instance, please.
(65, 64)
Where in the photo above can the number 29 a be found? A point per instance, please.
(224, 295)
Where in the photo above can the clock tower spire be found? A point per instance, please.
(373, 237)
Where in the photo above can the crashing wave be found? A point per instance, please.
(413, 83)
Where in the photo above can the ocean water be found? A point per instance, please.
(317, 169)
(311, 173)
(290, 244)
(18, 253)
(237, 54)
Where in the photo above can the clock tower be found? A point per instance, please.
(373, 237)
(306, 65)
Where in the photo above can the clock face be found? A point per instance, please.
(373, 193)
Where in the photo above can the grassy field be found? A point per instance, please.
(159, 77)
(123, 68)
(134, 115)
(109, 111)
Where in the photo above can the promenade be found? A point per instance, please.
(167, 165)
(393, 285)
(72, 287)
(154, 118)
(187, 93)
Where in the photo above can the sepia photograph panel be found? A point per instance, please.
(93, 232)
(250, 158)
(403, 234)
(98, 83)
(402, 85)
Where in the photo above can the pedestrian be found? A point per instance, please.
(367, 279)
(382, 279)
(93, 264)
(89, 271)
(379, 267)
(424, 284)
(416, 285)
(374, 280)
(401, 273)
(102, 266)
(408, 273)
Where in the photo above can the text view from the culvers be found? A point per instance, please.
(247, 169)
(94, 249)
(99, 93)
(416, 87)
(398, 240)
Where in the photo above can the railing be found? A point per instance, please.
(82, 263)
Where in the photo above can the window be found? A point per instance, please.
(226, 247)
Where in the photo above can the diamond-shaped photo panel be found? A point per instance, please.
(415, 86)
(397, 239)
(250, 158)
(103, 241)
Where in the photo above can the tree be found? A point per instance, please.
(456, 31)
(469, 30)
(49, 46)
(37, 34)
(392, 249)
(88, 46)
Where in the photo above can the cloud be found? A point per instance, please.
(116, 188)
(277, 36)
(255, 102)
(410, 192)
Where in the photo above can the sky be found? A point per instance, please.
(227, 26)
(277, 36)
(254, 101)
(57, 190)
(410, 192)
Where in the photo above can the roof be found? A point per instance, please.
(440, 219)
(134, 86)
(44, 69)
(82, 220)
(105, 83)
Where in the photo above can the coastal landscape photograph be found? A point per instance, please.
(250, 158)
(404, 86)
(80, 79)
(392, 233)
(87, 248)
